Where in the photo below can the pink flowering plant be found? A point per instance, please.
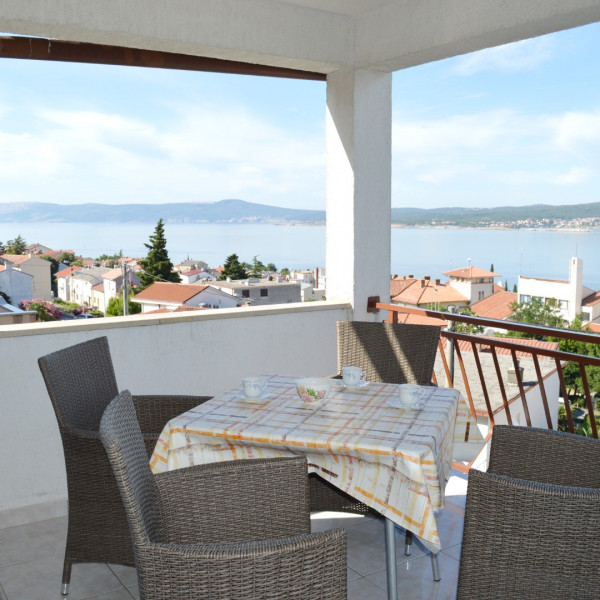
(46, 311)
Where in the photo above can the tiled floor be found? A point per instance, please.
(31, 560)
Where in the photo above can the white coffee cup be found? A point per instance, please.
(254, 387)
(410, 394)
(352, 376)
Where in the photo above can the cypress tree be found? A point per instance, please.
(157, 265)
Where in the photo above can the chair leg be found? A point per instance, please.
(66, 578)
(408, 540)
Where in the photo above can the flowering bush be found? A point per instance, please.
(46, 311)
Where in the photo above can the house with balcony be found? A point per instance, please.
(82, 284)
(425, 293)
(353, 48)
(472, 282)
(63, 282)
(259, 292)
(571, 297)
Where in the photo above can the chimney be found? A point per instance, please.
(411, 276)
(427, 278)
(437, 282)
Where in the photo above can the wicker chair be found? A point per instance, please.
(237, 529)
(390, 353)
(545, 456)
(81, 383)
(524, 540)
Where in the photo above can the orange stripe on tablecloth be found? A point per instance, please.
(388, 507)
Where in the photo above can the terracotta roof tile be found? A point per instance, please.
(471, 272)
(170, 292)
(496, 306)
(594, 327)
(466, 346)
(68, 271)
(424, 291)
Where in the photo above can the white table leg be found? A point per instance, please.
(390, 559)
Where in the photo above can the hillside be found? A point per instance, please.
(239, 211)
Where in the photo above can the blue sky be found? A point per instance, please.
(513, 125)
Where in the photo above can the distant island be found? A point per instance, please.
(535, 216)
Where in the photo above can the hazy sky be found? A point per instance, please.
(514, 125)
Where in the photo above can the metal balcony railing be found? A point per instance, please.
(479, 343)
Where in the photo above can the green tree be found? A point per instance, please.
(157, 266)
(466, 328)
(67, 258)
(506, 286)
(515, 288)
(115, 306)
(53, 271)
(285, 272)
(271, 267)
(1, 248)
(16, 246)
(233, 269)
(257, 268)
(535, 312)
(492, 268)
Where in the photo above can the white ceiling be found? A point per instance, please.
(350, 8)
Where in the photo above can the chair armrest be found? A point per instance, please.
(154, 411)
(522, 537)
(546, 456)
(246, 500)
(310, 567)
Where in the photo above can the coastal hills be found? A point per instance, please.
(239, 211)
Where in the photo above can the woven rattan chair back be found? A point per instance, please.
(518, 544)
(122, 438)
(81, 383)
(545, 456)
(388, 352)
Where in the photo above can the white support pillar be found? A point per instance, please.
(359, 122)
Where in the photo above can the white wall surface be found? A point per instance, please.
(214, 348)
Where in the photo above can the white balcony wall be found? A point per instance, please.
(203, 353)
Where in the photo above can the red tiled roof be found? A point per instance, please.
(466, 346)
(399, 284)
(16, 259)
(471, 273)
(496, 306)
(99, 287)
(191, 272)
(68, 271)
(591, 299)
(424, 291)
(593, 327)
(420, 320)
(170, 292)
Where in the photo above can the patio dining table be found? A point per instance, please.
(393, 459)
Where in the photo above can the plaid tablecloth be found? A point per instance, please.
(393, 459)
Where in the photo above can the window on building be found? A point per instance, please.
(245, 293)
(481, 295)
(564, 304)
(264, 292)
(524, 298)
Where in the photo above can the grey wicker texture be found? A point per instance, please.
(546, 456)
(528, 540)
(388, 352)
(231, 530)
(81, 383)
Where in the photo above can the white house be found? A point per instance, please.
(172, 296)
(258, 292)
(63, 282)
(18, 286)
(37, 267)
(82, 283)
(472, 282)
(571, 297)
(194, 275)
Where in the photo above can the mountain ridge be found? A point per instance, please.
(239, 211)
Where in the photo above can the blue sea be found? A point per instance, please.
(533, 253)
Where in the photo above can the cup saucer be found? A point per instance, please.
(361, 384)
(397, 403)
(263, 396)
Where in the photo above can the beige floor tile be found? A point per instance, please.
(363, 589)
(41, 580)
(415, 581)
(33, 541)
